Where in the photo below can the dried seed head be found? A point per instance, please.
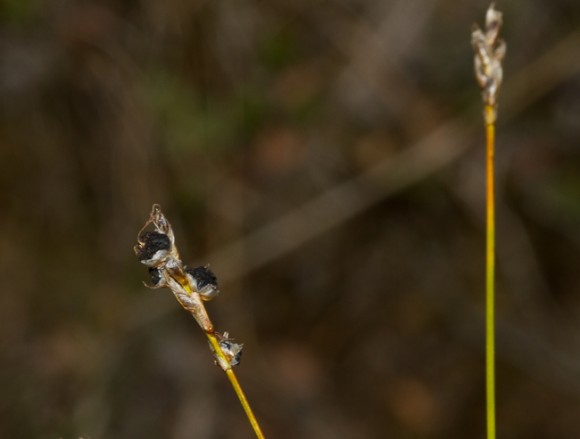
(160, 222)
(489, 53)
(231, 350)
(161, 239)
(203, 281)
(157, 250)
(493, 21)
(157, 278)
(152, 248)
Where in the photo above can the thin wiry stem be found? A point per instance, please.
(490, 278)
(222, 359)
(489, 53)
(238, 389)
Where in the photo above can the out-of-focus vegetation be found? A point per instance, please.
(326, 158)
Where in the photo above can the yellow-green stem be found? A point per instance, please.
(226, 365)
(490, 273)
(235, 384)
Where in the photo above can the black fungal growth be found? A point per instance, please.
(203, 276)
(155, 274)
(227, 346)
(152, 242)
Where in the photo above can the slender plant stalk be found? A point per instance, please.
(490, 278)
(238, 389)
(221, 359)
(489, 53)
(191, 286)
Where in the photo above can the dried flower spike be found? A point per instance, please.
(204, 281)
(489, 53)
(156, 249)
(232, 350)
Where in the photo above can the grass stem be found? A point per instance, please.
(222, 359)
(489, 53)
(490, 273)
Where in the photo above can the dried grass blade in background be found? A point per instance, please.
(191, 286)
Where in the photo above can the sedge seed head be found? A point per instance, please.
(489, 53)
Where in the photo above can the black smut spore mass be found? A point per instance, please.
(237, 359)
(203, 276)
(152, 242)
(155, 274)
(227, 346)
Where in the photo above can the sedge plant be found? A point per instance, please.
(489, 53)
(156, 249)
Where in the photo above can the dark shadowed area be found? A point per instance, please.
(327, 159)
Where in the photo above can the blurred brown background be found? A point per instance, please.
(327, 159)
